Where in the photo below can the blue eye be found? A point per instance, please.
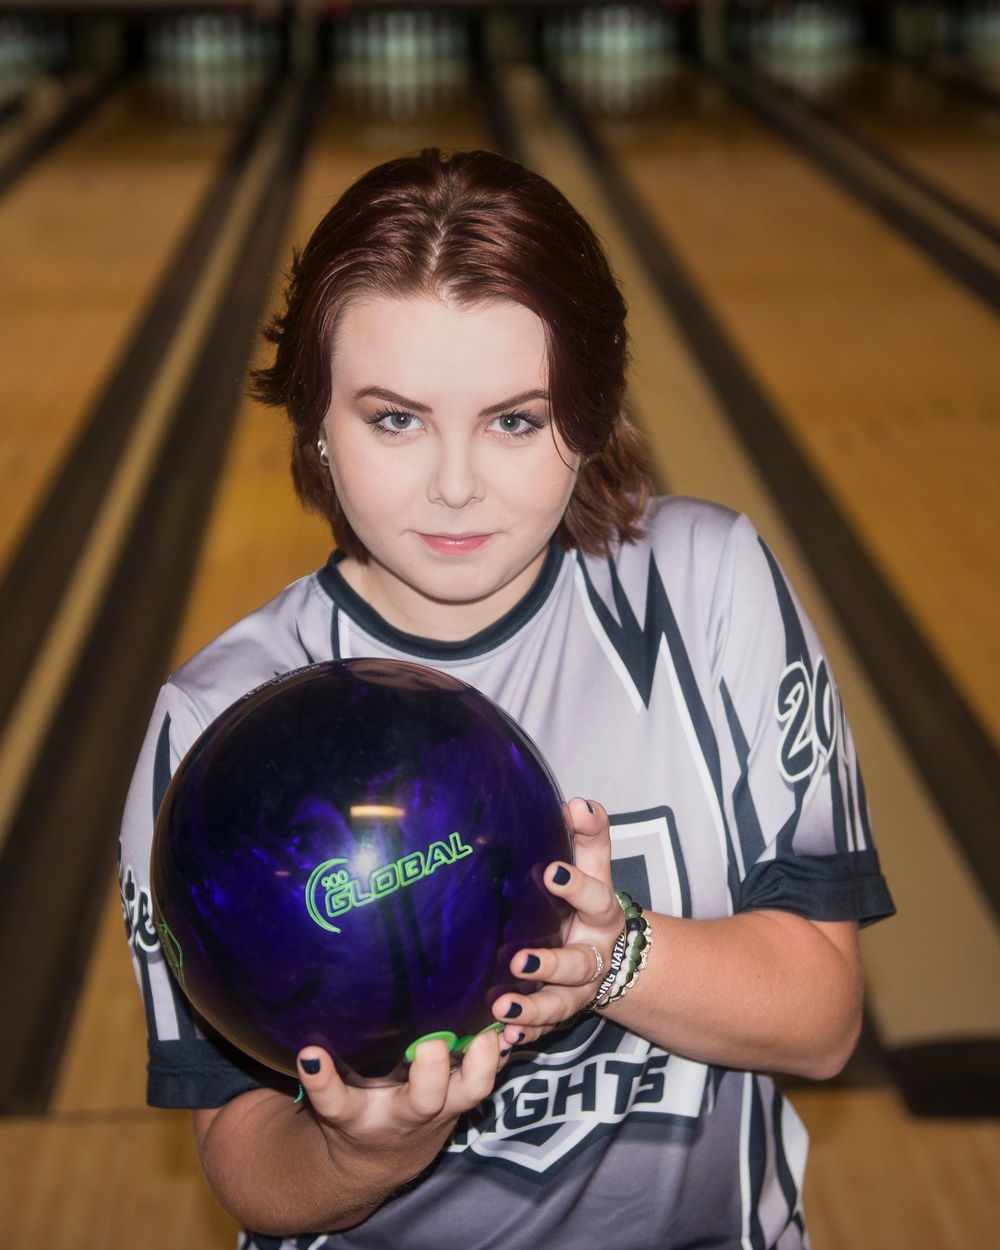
(516, 424)
(394, 422)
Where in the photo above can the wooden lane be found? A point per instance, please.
(134, 1175)
(878, 1179)
(946, 137)
(50, 110)
(107, 1185)
(84, 238)
(887, 373)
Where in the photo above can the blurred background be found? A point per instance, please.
(802, 201)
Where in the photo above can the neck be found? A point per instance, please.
(407, 609)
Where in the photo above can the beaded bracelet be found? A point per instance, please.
(639, 938)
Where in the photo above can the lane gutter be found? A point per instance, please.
(965, 246)
(31, 137)
(953, 71)
(33, 584)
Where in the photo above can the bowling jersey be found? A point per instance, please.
(680, 684)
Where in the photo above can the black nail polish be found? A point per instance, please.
(521, 1036)
(513, 1011)
(560, 876)
(589, 806)
(310, 1066)
(531, 963)
(505, 1052)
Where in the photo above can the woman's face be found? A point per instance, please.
(445, 458)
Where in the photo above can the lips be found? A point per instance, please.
(454, 544)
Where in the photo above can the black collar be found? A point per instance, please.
(332, 581)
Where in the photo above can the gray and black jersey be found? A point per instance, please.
(680, 684)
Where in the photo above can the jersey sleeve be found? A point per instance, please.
(795, 796)
(189, 1064)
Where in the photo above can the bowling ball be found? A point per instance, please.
(349, 857)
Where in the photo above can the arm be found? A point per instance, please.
(326, 1163)
(761, 990)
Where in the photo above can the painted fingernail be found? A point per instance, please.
(505, 1052)
(513, 1011)
(521, 1036)
(309, 1066)
(531, 963)
(589, 806)
(560, 876)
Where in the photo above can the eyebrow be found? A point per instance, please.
(514, 401)
(391, 397)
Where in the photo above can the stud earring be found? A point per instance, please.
(324, 459)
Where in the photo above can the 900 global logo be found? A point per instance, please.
(332, 891)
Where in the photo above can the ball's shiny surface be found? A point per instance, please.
(348, 857)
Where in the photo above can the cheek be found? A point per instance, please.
(359, 478)
(553, 489)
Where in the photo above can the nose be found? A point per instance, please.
(454, 479)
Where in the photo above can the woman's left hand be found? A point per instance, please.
(567, 973)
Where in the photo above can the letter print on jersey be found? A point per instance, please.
(559, 1101)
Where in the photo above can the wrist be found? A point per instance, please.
(371, 1167)
(630, 955)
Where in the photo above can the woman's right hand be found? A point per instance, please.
(327, 1163)
(425, 1106)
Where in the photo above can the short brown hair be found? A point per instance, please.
(476, 227)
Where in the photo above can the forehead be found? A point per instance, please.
(433, 337)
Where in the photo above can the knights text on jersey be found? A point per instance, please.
(681, 685)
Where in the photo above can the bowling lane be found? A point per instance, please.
(945, 136)
(878, 1179)
(84, 238)
(257, 541)
(886, 372)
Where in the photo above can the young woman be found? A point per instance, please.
(452, 359)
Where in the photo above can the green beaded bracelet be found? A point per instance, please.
(639, 938)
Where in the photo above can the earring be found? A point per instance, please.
(324, 459)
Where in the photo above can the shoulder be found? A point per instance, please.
(677, 526)
(261, 646)
(700, 575)
(690, 542)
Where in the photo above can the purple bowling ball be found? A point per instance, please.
(349, 857)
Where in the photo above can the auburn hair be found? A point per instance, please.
(474, 227)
